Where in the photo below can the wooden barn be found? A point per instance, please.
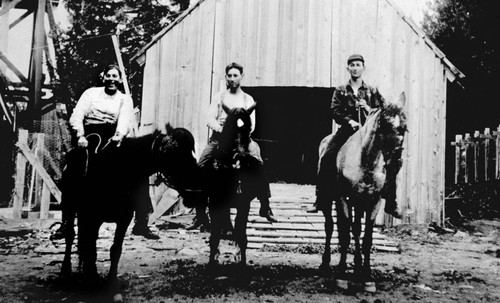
(294, 53)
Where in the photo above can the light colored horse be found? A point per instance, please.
(362, 171)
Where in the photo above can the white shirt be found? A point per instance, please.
(217, 116)
(97, 107)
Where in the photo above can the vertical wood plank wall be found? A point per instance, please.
(305, 43)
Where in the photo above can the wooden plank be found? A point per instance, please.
(169, 198)
(13, 68)
(458, 139)
(285, 226)
(36, 72)
(301, 219)
(4, 33)
(6, 111)
(37, 189)
(44, 202)
(20, 176)
(486, 154)
(497, 154)
(39, 168)
(476, 156)
(11, 5)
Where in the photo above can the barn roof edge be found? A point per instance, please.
(161, 33)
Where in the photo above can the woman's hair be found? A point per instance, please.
(110, 67)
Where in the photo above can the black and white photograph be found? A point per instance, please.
(249, 151)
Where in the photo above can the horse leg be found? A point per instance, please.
(66, 265)
(367, 246)
(116, 249)
(327, 254)
(356, 233)
(240, 230)
(88, 233)
(218, 217)
(343, 226)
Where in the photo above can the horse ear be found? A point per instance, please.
(402, 99)
(252, 107)
(169, 128)
(225, 108)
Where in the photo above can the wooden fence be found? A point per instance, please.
(34, 186)
(477, 157)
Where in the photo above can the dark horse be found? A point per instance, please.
(108, 190)
(362, 171)
(233, 181)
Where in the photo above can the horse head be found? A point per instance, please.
(393, 125)
(174, 153)
(235, 135)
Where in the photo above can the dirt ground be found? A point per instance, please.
(434, 265)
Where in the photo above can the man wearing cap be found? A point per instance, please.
(351, 103)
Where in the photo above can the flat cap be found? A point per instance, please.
(355, 57)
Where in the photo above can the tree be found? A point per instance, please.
(87, 45)
(467, 32)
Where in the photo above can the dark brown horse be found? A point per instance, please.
(234, 180)
(107, 192)
(362, 172)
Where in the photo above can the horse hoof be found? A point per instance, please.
(370, 287)
(342, 284)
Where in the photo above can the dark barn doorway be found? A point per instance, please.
(291, 121)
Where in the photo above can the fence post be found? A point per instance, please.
(20, 176)
(466, 157)
(497, 153)
(486, 153)
(458, 140)
(42, 192)
(476, 155)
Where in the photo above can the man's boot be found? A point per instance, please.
(200, 220)
(391, 204)
(141, 227)
(265, 210)
(66, 228)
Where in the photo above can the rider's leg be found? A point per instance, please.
(392, 167)
(264, 191)
(142, 210)
(206, 163)
(325, 182)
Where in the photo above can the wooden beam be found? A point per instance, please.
(21, 18)
(119, 59)
(4, 33)
(20, 176)
(6, 111)
(36, 70)
(40, 170)
(169, 198)
(9, 6)
(12, 67)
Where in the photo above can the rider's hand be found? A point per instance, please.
(82, 142)
(354, 125)
(218, 128)
(362, 103)
(117, 138)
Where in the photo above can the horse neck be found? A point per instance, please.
(142, 152)
(371, 142)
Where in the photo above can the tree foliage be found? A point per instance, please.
(86, 47)
(467, 32)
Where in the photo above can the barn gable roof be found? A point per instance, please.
(455, 72)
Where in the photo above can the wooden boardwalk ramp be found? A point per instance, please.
(296, 226)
